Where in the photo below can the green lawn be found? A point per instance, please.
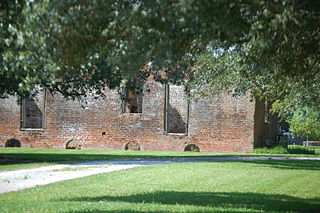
(70, 155)
(253, 186)
(41, 157)
(9, 167)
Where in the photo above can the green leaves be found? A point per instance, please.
(305, 123)
(271, 48)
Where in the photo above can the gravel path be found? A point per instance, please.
(27, 178)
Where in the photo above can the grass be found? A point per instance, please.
(252, 186)
(41, 157)
(9, 167)
(72, 155)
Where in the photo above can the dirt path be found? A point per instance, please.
(27, 178)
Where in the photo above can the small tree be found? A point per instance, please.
(305, 123)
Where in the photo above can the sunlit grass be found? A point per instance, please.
(253, 186)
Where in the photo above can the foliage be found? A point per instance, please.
(316, 149)
(293, 149)
(272, 150)
(268, 66)
(47, 43)
(269, 47)
(304, 121)
(218, 69)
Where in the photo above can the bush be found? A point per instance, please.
(271, 150)
(294, 149)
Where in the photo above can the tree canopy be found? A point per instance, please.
(270, 47)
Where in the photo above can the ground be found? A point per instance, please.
(199, 185)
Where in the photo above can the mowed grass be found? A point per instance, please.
(17, 166)
(69, 155)
(252, 186)
(17, 157)
(73, 155)
(14, 158)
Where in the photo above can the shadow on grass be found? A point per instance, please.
(228, 200)
(124, 211)
(63, 158)
(120, 211)
(18, 158)
(70, 157)
(12, 161)
(289, 164)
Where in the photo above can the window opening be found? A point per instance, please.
(132, 101)
(33, 111)
(176, 110)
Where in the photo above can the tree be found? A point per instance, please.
(74, 46)
(77, 46)
(34, 36)
(305, 123)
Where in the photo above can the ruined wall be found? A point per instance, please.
(9, 119)
(265, 129)
(223, 124)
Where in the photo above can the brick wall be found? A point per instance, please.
(222, 124)
(264, 129)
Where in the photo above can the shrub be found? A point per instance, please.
(272, 150)
(294, 149)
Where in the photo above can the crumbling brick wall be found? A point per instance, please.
(221, 124)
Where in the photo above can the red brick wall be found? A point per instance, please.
(223, 124)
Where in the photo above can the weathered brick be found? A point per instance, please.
(220, 124)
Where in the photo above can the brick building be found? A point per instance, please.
(160, 118)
